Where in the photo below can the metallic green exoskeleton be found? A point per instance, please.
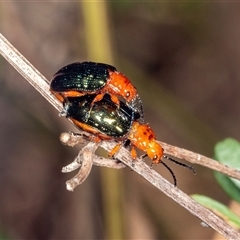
(85, 76)
(103, 117)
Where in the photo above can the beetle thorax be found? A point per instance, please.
(141, 135)
(121, 85)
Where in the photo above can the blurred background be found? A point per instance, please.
(182, 57)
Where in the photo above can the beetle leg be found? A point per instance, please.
(114, 150)
(72, 94)
(115, 100)
(127, 144)
(98, 98)
(64, 112)
(143, 156)
(133, 153)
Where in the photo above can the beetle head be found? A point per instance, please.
(154, 151)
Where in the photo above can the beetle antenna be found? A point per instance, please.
(171, 171)
(181, 164)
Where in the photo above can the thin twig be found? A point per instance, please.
(197, 158)
(41, 84)
(86, 157)
(71, 139)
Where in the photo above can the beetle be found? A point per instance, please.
(104, 118)
(81, 78)
(107, 121)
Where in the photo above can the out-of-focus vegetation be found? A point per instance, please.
(228, 153)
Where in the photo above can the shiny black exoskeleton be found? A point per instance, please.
(85, 76)
(104, 118)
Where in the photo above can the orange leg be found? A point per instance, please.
(114, 150)
(115, 100)
(72, 94)
(101, 95)
(133, 153)
(97, 98)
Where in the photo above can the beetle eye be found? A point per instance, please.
(127, 94)
(155, 157)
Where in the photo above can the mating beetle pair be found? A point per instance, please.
(83, 87)
(78, 79)
(89, 92)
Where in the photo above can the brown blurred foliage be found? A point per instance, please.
(182, 57)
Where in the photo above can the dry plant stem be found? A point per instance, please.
(176, 194)
(86, 155)
(40, 83)
(200, 159)
(106, 162)
(30, 73)
(71, 139)
(77, 163)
